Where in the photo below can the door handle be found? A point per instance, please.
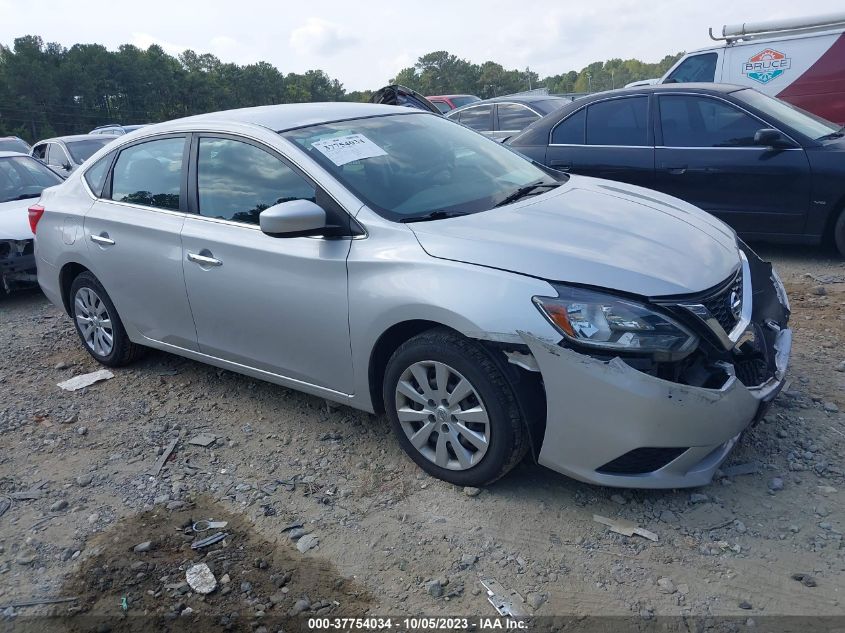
(204, 260)
(677, 171)
(102, 239)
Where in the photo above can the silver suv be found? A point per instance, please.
(392, 260)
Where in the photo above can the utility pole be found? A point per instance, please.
(528, 73)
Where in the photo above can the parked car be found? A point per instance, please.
(388, 259)
(115, 129)
(445, 103)
(21, 179)
(14, 144)
(64, 154)
(800, 60)
(397, 95)
(770, 170)
(502, 117)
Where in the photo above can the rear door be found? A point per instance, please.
(132, 233)
(278, 304)
(606, 139)
(707, 156)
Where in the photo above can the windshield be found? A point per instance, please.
(80, 151)
(413, 164)
(22, 177)
(462, 101)
(13, 145)
(807, 124)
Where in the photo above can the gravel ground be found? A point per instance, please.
(326, 515)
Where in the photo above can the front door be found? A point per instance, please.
(708, 158)
(134, 247)
(271, 303)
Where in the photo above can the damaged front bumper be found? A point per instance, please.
(17, 265)
(611, 424)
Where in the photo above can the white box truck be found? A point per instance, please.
(800, 60)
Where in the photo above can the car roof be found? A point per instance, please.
(711, 88)
(12, 154)
(287, 116)
(72, 137)
(448, 96)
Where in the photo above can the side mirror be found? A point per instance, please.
(771, 138)
(67, 167)
(292, 218)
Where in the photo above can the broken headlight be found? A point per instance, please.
(615, 324)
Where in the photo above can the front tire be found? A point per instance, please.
(98, 324)
(453, 410)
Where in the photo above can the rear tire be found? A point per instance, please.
(839, 233)
(453, 410)
(98, 325)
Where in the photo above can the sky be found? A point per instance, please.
(364, 43)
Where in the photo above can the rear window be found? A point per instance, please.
(462, 101)
(570, 131)
(96, 175)
(80, 151)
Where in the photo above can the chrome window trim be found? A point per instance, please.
(613, 146)
(142, 207)
(730, 103)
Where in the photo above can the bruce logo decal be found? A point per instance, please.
(766, 65)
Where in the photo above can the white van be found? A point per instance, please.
(801, 61)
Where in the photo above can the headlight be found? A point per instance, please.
(614, 324)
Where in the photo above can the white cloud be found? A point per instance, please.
(145, 40)
(320, 37)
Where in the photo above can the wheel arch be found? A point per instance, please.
(67, 274)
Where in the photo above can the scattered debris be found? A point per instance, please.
(208, 524)
(625, 527)
(738, 470)
(140, 548)
(471, 491)
(745, 605)
(506, 602)
(308, 541)
(5, 504)
(434, 588)
(805, 579)
(164, 457)
(203, 439)
(665, 585)
(85, 380)
(211, 540)
(35, 602)
(201, 579)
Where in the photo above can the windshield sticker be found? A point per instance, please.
(346, 149)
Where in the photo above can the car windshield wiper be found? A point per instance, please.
(838, 134)
(440, 214)
(525, 191)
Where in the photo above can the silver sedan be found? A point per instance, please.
(395, 261)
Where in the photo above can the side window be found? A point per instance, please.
(689, 121)
(696, 68)
(442, 106)
(95, 175)
(618, 122)
(477, 118)
(40, 151)
(514, 118)
(150, 174)
(237, 181)
(570, 131)
(56, 155)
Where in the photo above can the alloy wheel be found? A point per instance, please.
(442, 415)
(94, 321)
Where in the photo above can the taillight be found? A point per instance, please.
(35, 213)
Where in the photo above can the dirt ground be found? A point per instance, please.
(387, 539)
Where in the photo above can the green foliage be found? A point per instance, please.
(46, 89)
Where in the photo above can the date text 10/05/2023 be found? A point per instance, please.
(418, 624)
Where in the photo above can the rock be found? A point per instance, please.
(303, 604)
(225, 580)
(296, 533)
(822, 510)
(307, 542)
(775, 483)
(470, 491)
(434, 588)
(841, 366)
(698, 497)
(739, 526)
(831, 407)
(805, 579)
(745, 605)
(617, 498)
(25, 557)
(819, 291)
(667, 516)
(186, 612)
(84, 480)
(201, 579)
(82, 430)
(536, 600)
(161, 499)
(665, 585)
(61, 504)
(683, 589)
(61, 365)
(140, 548)
(246, 587)
(468, 560)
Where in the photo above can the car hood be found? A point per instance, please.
(594, 232)
(14, 220)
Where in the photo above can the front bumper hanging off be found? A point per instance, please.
(608, 423)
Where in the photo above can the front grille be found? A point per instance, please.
(719, 304)
(752, 371)
(641, 460)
